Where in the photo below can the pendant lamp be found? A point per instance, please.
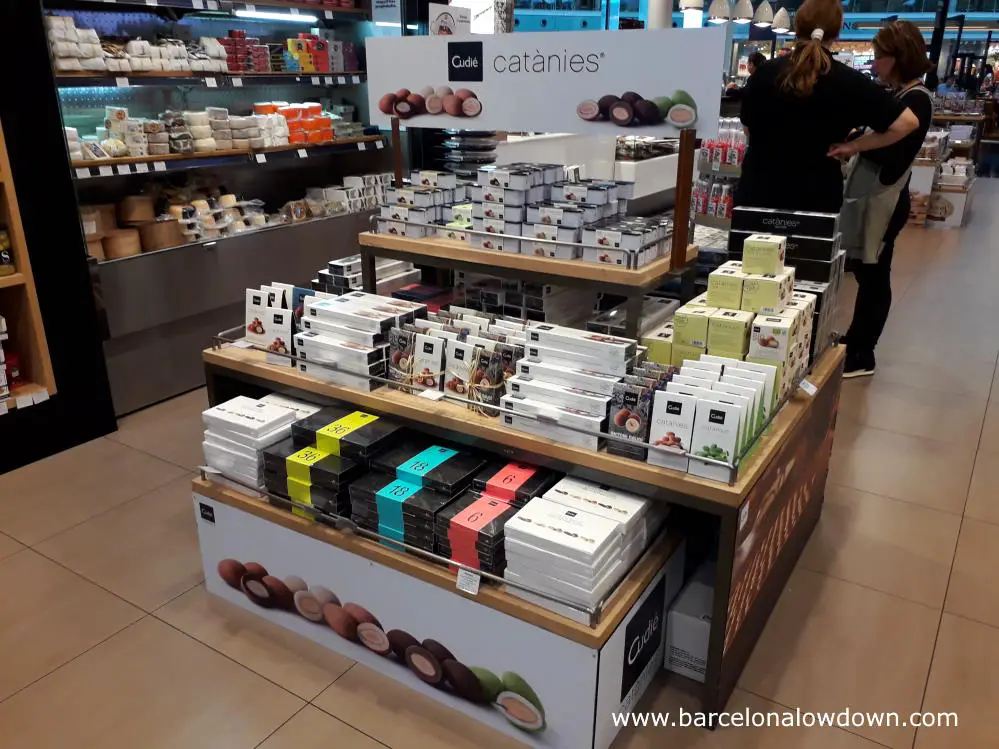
(743, 12)
(764, 15)
(720, 11)
(782, 22)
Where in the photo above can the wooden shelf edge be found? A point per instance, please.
(28, 388)
(628, 591)
(460, 251)
(461, 420)
(15, 279)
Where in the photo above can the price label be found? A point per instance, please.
(123, 170)
(3, 407)
(40, 397)
(211, 83)
(237, 83)
(809, 388)
(432, 395)
(293, 11)
(159, 166)
(341, 79)
(198, 4)
(261, 158)
(355, 79)
(106, 171)
(362, 146)
(142, 168)
(328, 14)
(250, 7)
(379, 145)
(328, 80)
(153, 3)
(468, 582)
(121, 82)
(83, 173)
(302, 153)
(315, 80)
(213, 4)
(23, 401)
(242, 344)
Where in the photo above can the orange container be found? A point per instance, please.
(265, 107)
(297, 137)
(326, 134)
(290, 113)
(295, 126)
(311, 123)
(314, 136)
(312, 109)
(325, 123)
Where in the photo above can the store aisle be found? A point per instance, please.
(893, 605)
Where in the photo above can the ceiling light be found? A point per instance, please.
(720, 11)
(782, 22)
(262, 15)
(743, 12)
(764, 15)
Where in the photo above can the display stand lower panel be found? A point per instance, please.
(577, 686)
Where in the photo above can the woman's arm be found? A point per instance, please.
(904, 124)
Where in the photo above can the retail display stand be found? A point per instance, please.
(19, 306)
(580, 673)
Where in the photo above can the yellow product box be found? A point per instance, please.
(701, 300)
(729, 329)
(659, 344)
(725, 288)
(763, 254)
(797, 318)
(772, 338)
(733, 265)
(690, 326)
(682, 351)
(805, 302)
(767, 294)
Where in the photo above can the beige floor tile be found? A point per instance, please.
(171, 430)
(893, 546)
(49, 616)
(973, 379)
(983, 497)
(297, 664)
(397, 716)
(963, 680)
(54, 494)
(990, 428)
(313, 729)
(152, 687)
(927, 472)
(8, 546)
(831, 644)
(663, 698)
(973, 592)
(145, 551)
(932, 414)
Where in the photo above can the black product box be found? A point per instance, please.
(330, 472)
(819, 271)
(441, 469)
(514, 482)
(276, 455)
(824, 295)
(490, 534)
(337, 502)
(424, 503)
(359, 444)
(774, 221)
(421, 542)
(797, 247)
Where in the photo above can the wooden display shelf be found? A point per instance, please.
(489, 595)
(27, 390)
(460, 419)
(166, 157)
(453, 250)
(959, 117)
(15, 279)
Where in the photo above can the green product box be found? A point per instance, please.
(767, 294)
(763, 254)
(729, 329)
(690, 326)
(725, 288)
(660, 344)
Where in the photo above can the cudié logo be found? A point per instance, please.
(464, 61)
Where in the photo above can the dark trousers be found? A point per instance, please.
(870, 311)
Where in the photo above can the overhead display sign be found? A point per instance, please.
(589, 82)
(449, 20)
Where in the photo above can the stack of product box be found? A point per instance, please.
(657, 312)
(357, 193)
(344, 274)
(343, 339)
(413, 211)
(471, 531)
(239, 430)
(535, 302)
(577, 542)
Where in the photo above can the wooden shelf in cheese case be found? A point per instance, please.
(580, 671)
(25, 335)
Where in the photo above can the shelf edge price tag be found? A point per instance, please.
(432, 395)
(213, 4)
(468, 582)
(250, 7)
(123, 170)
(361, 146)
(379, 145)
(315, 80)
(23, 401)
(328, 14)
(153, 3)
(293, 11)
(237, 82)
(211, 82)
(355, 79)
(261, 158)
(302, 153)
(341, 79)
(141, 168)
(121, 82)
(3, 407)
(83, 173)
(198, 4)
(40, 396)
(105, 171)
(809, 388)
(328, 80)
(159, 166)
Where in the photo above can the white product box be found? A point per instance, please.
(551, 431)
(590, 381)
(329, 349)
(428, 361)
(671, 429)
(341, 332)
(565, 417)
(628, 510)
(769, 373)
(515, 180)
(338, 377)
(756, 382)
(565, 358)
(426, 178)
(753, 418)
(558, 395)
(459, 359)
(688, 627)
(772, 337)
(216, 439)
(246, 416)
(350, 312)
(550, 525)
(596, 345)
(301, 408)
(498, 211)
(717, 436)
(503, 244)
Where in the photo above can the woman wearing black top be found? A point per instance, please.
(798, 107)
(900, 61)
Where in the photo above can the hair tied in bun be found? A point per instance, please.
(818, 34)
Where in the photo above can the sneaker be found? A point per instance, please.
(858, 366)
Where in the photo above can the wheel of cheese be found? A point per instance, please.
(122, 243)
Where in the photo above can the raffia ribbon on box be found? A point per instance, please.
(475, 398)
(407, 379)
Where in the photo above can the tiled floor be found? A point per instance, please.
(108, 638)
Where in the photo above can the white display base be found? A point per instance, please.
(650, 176)
(950, 207)
(578, 686)
(593, 152)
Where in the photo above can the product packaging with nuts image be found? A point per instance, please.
(629, 418)
(487, 383)
(716, 436)
(400, 353)
(671, 429)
